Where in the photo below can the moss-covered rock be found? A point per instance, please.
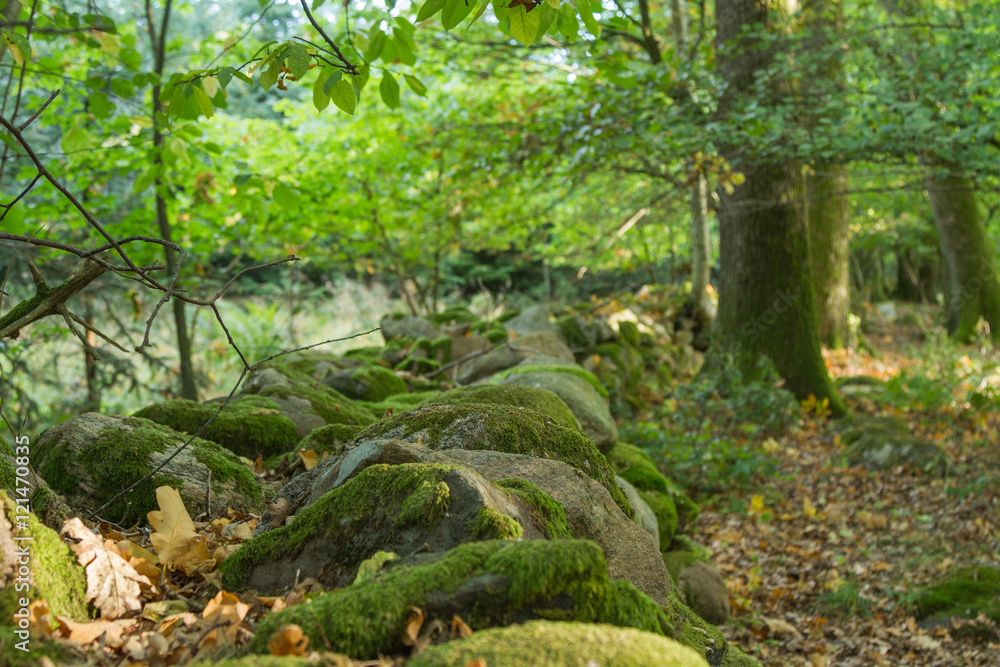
(965, 593)
(881, 443)
(628, 331)
(560, 644)
(580, 334)
(493, 330)
(578, 371)
(696, 633)
(397, 508)
(540, 400)
(485, 583)
(701, 585)
(306, 401)
(89, 459)
(512, 353)
(549, 512)
(55, 575)
(250, 426)
(500, 428)
(330, 439)
(371, 383)
(674, 510)
(402, 402)
(455, 314)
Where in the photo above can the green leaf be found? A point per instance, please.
(405, 36)
(270, 76)
(18, 45)
(523, 25)
(225, 75)
(375, 44)
(331, 80)
(415, 85)
(317, 4)
(204, 103)
(12, 142)
(483, 4)
(455, 12)
(389, 89)
(344, 97)
(243, 77)
(553, 3)
(321, 99)
(546, 17)
(500, 10)
(587, 14)
(298, 61)
(76, 139)
(429, 9)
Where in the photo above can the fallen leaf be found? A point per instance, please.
(780, 628)
(87, 633)
(459, 628)
(173, 536)
(309, 458)
(412, 630)
(266, 411)
(112, 583)
(288, 640)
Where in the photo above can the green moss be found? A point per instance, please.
(117, 458)
(454, 314)
(559, 644)
(490, 524)
(666, 514)
(494, 330)
(965, 593)
(629, 332)
(409, 493)
(535, 398)
(55, 574)
(5, 447)
(636, 467)
(377, 383)
(503, 428)
(424, 354)
(675, 561)
(330, 438)
(692, 631)
(250, 426)
(331, 405)
(550, 512)
(735, 657)
(8, 477)
(367, 619)
(552, 368)
(401, 402)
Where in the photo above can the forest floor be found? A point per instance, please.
(821, 561)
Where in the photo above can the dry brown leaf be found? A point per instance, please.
(112, 583)
(459, 628)
(288, 640)
(478, 662)
(237, 531)
(279, 510)
(871, 521)
(780, 628)
(412, 630)
(309, 458)
(258, 466)
(173, 536)
(86, 633)
(224, 608)
(266, 411)
(39, 620)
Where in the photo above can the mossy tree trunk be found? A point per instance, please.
(828, 208)
(766, 299)
(701, 248)
(971, 284)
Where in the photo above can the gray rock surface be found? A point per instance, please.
(407, 326)
(512, 353)
(644, 515)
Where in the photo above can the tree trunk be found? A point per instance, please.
(766, 299)
(158, 43)
(972, 288)
(701, 250)
(829, 236)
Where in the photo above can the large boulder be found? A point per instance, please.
(484, 583)
(407, 326)
(534, 319)
(561, 644)
(304, 400)
(369, 383)
(675, 511)
(250, 426)
(512, 353)
(700, 585)
(502, 428)
(403, 509)
(534, 398)
(590, 409)
(91, 458)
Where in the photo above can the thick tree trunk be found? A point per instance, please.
(972, 288)
(829, 236)
(766, 300)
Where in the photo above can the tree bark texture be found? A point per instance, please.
(829, 235)
(766, 299)
(971, 283)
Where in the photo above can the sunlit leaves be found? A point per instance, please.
(455, 12)
(429, 9)
(297, 61)
(77, 139)
(203, 101)
(523, 24)
(415, 85)
(587, 14)
(342, 94)
(17, 45)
